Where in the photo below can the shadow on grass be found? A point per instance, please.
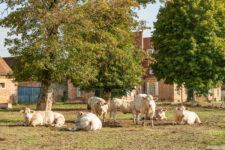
(111, 124)
(8, 121)
(69, 109)
(10, 110)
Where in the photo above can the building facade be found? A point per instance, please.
(28, 91)
(8, 88)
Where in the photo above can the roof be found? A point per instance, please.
(10, 61)
(4, 67)
(223, 87)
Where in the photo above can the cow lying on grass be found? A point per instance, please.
(184, 116)
(125, 106)
(160, 114)
(36, 118)
(86, 121)
(98, 106)
(145, 105)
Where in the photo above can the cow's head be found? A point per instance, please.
(161, 114)
(181, 108)
(103, 106)
(28, 113)
(79, 116)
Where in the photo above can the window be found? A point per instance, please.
(78, 92)
(150, 51)
(152, 88)
(186, 91)
(140, 89)
(2, 85)
(151, 71)
(156, 89)
(148, 88)
(178, 90)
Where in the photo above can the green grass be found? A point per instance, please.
(123, 135)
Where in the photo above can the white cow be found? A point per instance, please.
(160, 114)
(98, 106)
(145, 105)
(35, 118)
(86, 121)
(184, 116)
(125, 106)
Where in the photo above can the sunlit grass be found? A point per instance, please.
(122, 135)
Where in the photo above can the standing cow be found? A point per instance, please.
(98, 106)
(125, 106)
(144, 105)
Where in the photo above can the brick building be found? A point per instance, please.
(164, 92)
(28, 91)
(8, 88)
(223, 92)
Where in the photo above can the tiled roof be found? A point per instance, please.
(223, 87)
(11, 61)
(4, 68)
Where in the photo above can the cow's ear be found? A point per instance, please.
(21, 111)
(81, 113)
(186, 108)
(31, 111)
(105, 103)
(164, 110)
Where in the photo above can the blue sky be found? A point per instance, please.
(148, 14)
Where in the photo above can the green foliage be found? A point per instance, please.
(114, 92)
(36, 39)
(63, 98)
(116, 60)
(190, 35)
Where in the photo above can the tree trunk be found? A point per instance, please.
(193, 98)
(212, 97)
(182, 101)
(106, 95)
(46, 98)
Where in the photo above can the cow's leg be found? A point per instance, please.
(35, 123)
(73, 129)
(114, 116)
(104, 115)
(143, 121)
(137, 118)
(151, 115)
(133, 117)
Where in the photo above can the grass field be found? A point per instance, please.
(123, 135)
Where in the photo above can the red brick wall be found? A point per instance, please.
(29, 84)
(72, 93)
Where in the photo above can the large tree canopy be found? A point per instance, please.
(37, 38)
(89, 41)
(190, 37)
(109, 35)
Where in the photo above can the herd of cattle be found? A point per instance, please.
(142, 107)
